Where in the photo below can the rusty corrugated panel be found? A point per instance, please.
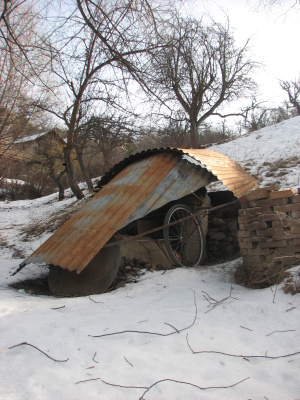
(132, 189)
(139, 188)
(230, 173)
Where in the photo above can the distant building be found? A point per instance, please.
(38, 160)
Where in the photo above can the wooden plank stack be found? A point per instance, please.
(269, 234)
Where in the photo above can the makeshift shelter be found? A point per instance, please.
(131, 190)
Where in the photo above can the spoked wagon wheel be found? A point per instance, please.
(183, 236)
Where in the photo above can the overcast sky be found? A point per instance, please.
(274, 34)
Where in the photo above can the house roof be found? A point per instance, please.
(37, 136)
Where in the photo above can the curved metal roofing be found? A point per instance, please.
(229, 172)
(133, 188)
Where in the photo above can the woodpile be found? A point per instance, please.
(269, 234)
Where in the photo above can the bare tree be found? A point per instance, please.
(284, 4)
(92, 53)
(17, 29)
(292, 89)
(76, 63)
(20, 64)
(200, 68)
(111, 135)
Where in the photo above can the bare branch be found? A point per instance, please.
(88, 380)
(246, 328)
(240, 355)
(154, 333)
(200, 68)
(148, 388)
(289, 330)
(127, 361)
(31, 345)
(214, 303)
(97, 362)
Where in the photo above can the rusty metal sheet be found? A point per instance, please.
(141, 187)
(132, 189)
(223, 167)
(229, 172)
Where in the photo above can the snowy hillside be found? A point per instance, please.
(271, 154)
(179, 334)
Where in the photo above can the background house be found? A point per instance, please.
(35, 166)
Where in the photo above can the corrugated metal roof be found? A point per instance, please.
(132, 189)
(229, 172)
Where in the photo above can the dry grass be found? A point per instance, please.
(282, 163)
(277, 169)
(53, 223)
(292, 283)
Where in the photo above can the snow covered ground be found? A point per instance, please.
(271, 154)
(181, 334)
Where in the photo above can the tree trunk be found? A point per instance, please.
(61, 192)
(58, 182)
(71, 174)
(84, 170)
(194, 135)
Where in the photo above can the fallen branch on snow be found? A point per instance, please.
(88, 380)
(94, 301)
(31, 345)
(214, 303)
(94, 358)
(289, 330)
(128, 361)
(238, 355)
(154, 333)
(148, 388)
(248, 329)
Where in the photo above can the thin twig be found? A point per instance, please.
(289, 330)
(148, 388)
(128, 361)
(155, 333)
(124, 386)
(290, 309)
(132, 331)
(94, 301)
(57, 308)
(175, 329)
(246, 328)
(239, 355)
(209, 298)
(94, 358)
(31, 345)
(214, 303)
(193, 385)
(88, 380)
(276, 287)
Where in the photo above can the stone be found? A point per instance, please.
(233, 226)
(217, 221)
(217, 235)
(18, 254)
